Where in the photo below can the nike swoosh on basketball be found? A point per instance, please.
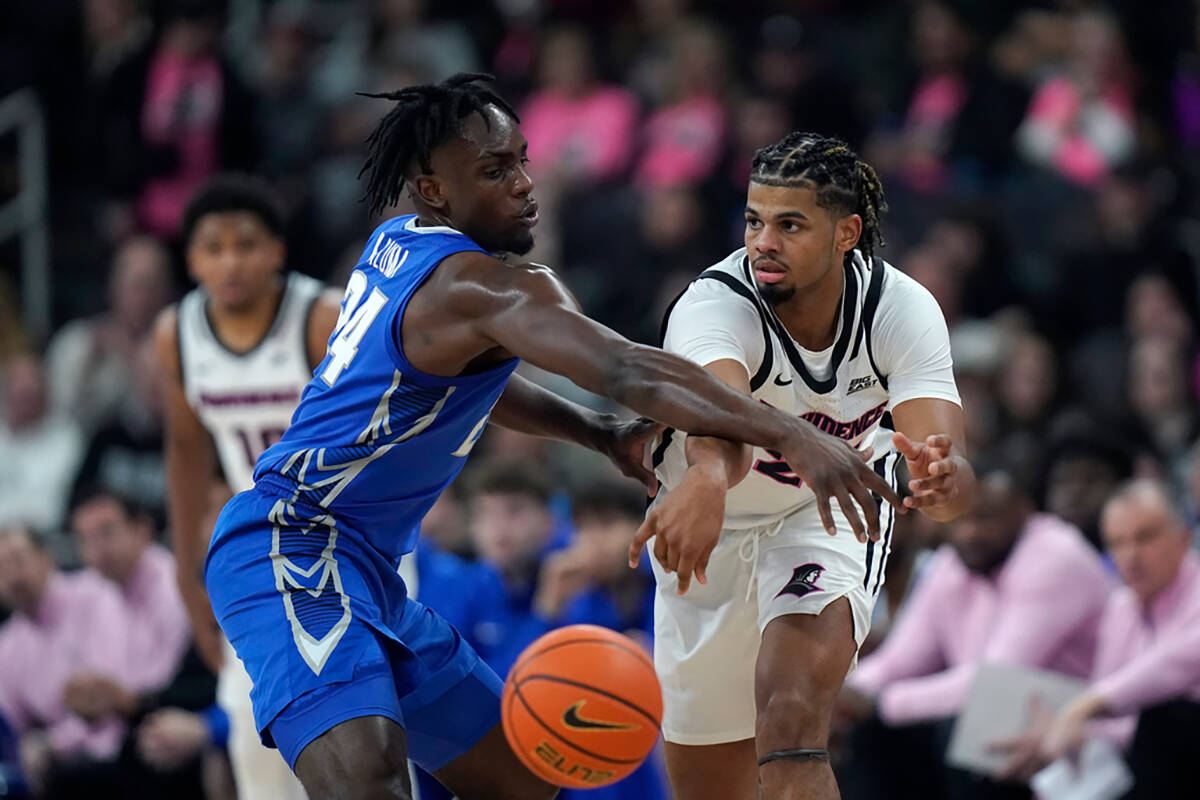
(572, 719)
(778, 382)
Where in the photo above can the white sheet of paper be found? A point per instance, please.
(998, 707)
(1101, 775)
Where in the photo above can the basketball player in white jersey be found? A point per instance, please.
(804, 318)
(236, 353)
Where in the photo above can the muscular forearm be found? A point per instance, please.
(725, 461)
(684, 396)
(528, 408)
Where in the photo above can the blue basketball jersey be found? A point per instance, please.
(374, 441)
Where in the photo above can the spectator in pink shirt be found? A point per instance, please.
(1011, 586)
(1147, 675)
(578, 128)
(61, 624)
(116, 541)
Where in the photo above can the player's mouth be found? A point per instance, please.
(766, 271)
(529, 217)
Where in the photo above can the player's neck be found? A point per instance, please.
(811, 314)
(241, 329)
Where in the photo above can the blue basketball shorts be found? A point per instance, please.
(328, 633)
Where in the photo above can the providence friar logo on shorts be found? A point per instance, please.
(803, 580)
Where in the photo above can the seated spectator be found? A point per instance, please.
(578, 128)
(683, 139)
(116, 543)
(994, 593)
(39, 449)
(1082, 469)
(90, 361)
(1081, 122)
(511, 524)
(1147, 674)
(126, 455)
(62, 624)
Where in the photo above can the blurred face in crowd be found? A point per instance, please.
(793, 243)
(566, 64)
(1158, 378)
(481, 185)
(939, 41)
(24, 570)
(1146, 539)
(24, 392)
(1153, 309)
(235, 257)
(140, 284)
(605, 534)
(985, 536)
(1078, 487)
(510, 529)
(1027, 381)
(110, 541)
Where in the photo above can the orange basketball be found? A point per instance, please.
(582, 706)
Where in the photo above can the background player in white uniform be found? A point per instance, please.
(752, 656)
(236, 353)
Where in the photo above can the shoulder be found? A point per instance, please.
(901, 292)
(478, 283)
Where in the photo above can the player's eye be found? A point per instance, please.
(790, 227)
(753, 224)
(493, 173)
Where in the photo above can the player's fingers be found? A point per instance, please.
(882, 488)
(866, 501)
(944, 466)
(824, 511)
(905, 445)
(867, 455)
(644, 532)
(683, 571)
(662, 552)
(934, 484)
(851, 514)
(939, 441)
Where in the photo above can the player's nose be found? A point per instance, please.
(523, 185)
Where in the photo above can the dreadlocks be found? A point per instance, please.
(830, 168)
(423, 118)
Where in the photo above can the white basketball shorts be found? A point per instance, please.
(706, 641)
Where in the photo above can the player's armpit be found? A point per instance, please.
(931, 436)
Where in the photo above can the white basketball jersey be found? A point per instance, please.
(246, 400)
(842, 390)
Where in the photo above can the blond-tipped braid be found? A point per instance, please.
(831, 168)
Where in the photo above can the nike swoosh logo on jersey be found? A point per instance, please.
(778, 382)
(572, 719)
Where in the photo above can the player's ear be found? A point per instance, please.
(846, 232)
(429, 189)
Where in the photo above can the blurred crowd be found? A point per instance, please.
(1041, 160)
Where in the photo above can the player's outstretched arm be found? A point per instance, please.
(931, 435)
(528, 312)
(532, 409)
(686, 526)
(191, 463)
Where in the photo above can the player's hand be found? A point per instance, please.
(686, 525)
(833, 468)
(625, 445)
(933, 468)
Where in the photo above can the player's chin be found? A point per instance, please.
(519, 242)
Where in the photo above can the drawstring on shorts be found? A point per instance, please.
(750, 554)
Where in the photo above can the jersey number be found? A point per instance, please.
(777, 470)
(356, 316)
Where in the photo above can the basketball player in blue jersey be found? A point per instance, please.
(350, 675)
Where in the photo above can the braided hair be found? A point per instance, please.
(424, 117)
(831, 168)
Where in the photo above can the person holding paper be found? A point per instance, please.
(1145, 694)
(1011, 587)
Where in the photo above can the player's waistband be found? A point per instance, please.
(273, 484)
